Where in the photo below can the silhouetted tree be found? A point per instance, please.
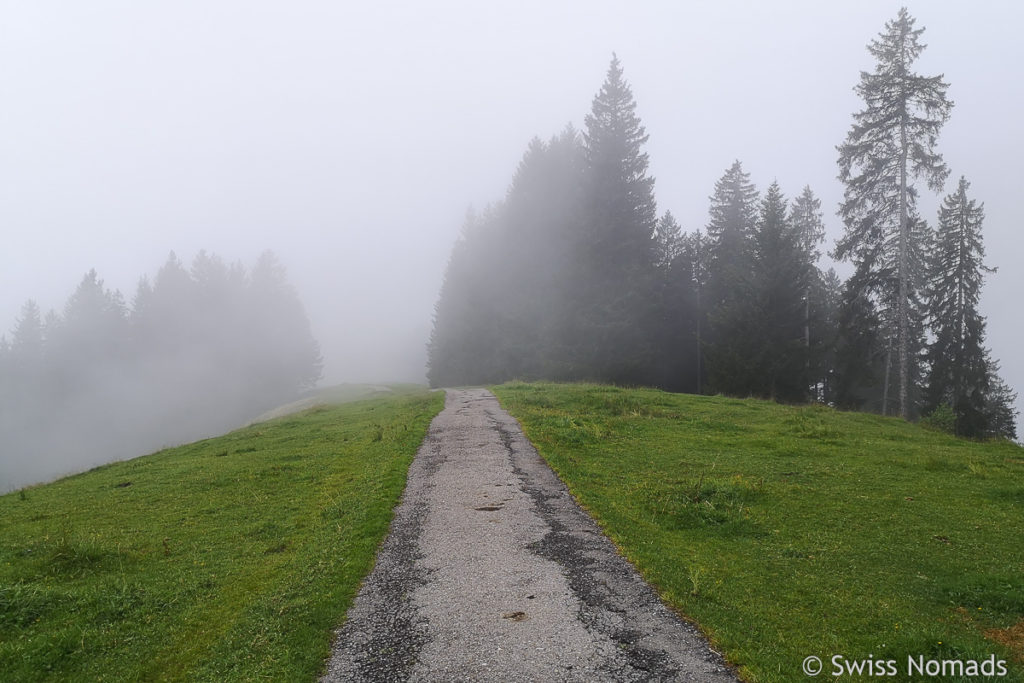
(668, 240)
(466, 330)
(807, 222)
(91, 336)
(860, 354)
(961, 376)
(536, 260)
(673, 327)
(288, 360)
(616, 295)
(508, 306)
(733, 215)
(730, 282)
(26, 344)
(891, 142)
(1001, 415)
(785, 272)
(760, 346)
(22, 367)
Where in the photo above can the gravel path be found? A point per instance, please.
(492, 572)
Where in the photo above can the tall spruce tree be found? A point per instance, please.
(1001, 415)
(466, 334)
(537, 260)
(733, 215)
(27, 337)
(961, 373)
(806, 219)
(891, 143)
(668, 239)
(674, 324)
(507, 307)
(562, 279)
(93, 330)
(760, 347)
(784, 271)
(617, 287)
(725, 296)
(623, 212)
(859, 365)
(686, 315)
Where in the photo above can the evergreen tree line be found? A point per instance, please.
(198, 351)
(574, 276)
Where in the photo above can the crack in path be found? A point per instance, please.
(491, 571)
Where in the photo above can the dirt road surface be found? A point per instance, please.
(492, 572)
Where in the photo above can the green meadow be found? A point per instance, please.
(229, 559)
(788, 532)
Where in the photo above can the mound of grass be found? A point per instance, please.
(232, 558)
(787, 531)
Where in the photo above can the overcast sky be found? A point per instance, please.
(350, 138)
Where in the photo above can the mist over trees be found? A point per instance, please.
(574, 276)
(198, 351)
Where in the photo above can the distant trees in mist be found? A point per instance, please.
(574, 276)
(199, 350)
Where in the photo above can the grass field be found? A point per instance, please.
(227, 559)
(787, 532)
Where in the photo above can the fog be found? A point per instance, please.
(198, 352)
(350, 138)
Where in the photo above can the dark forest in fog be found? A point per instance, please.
(575, 277)
(198, 351)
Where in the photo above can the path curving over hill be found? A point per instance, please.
(492, 572)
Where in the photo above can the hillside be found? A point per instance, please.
(226, 559)
(787, 532)
(784, 532)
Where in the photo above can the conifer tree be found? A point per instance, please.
(733, 215)
(784, 273)
(697, 255)
(729, 268)
(759, 329)
(962, 375)
(674, 326)
(93, 328)
(826, 300)
(891, 142)
(622, 213)
(508, 304)
(1000, 413)
(27, 338)
(537, 259)
(685, 316)
(807, 222)
(857, 375)
(668, 239)
(466, 334)
(617, 307)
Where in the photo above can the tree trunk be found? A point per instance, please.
(699, 351)
(885, 385)
(807, 341)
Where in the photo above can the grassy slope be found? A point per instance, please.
(228, 559)
(795, 531)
